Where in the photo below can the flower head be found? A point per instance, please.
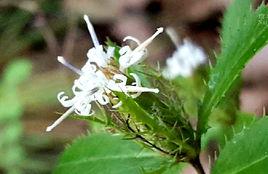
(99, 78)
(184, 60)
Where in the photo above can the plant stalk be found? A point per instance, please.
(198, 166)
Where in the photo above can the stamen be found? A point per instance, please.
(91, 31)
(149, 40)
(59, 120)
(68, 65)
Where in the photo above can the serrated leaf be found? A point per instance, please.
(247, 153)
(244, 33)
(106, 154)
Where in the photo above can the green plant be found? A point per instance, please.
(161, 122)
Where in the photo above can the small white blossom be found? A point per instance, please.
(97, 82)
(184, 60)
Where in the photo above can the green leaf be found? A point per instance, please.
(103, 154)
(244, 33)
(223, 133)
(247, 153)
(175, 168)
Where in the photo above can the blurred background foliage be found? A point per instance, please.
(34, 32)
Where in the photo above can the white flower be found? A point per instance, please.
(97, 82)
(131, 57)
(184, 60)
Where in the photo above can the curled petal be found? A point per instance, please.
(136, 78)
(125, 50)
(93, 57)
(117, 105)
(98, 56)
(76, 88)
(136, 83)
(60, 95)
(89, 67)
(130, 58)
(64, 100)
(82, 86)
(132, 39)
(83, 108)
(102, 99)
(121, 78)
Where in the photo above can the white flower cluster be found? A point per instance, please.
(98, 78)
(184, 60)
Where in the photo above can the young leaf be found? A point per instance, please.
(246, 153)
(245, 32)
(103, 153)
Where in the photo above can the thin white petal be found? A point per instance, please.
(59, 120)
(68, 65)
(91, 31)
(141, 89)
(149, 40)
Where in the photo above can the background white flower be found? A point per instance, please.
(185, 59)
